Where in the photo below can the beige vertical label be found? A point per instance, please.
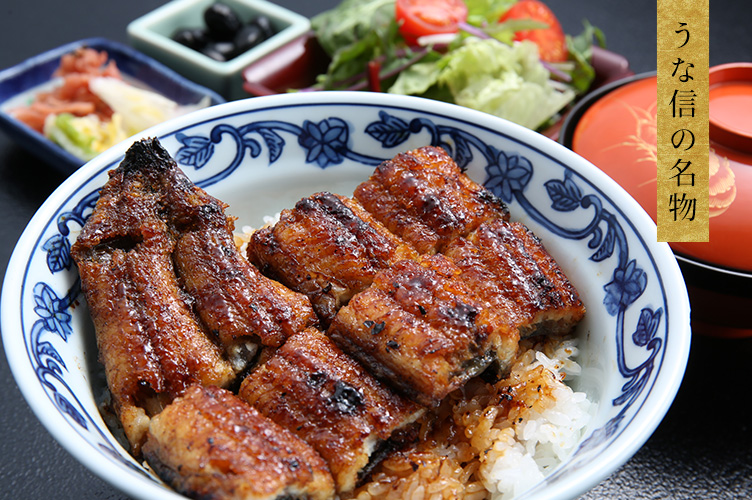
(682, 111)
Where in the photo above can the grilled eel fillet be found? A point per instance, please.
(327, 247)
(510, 269)
(210, 444)
(151, 342)
(420, 327)
(323, 396)
(233, 299)
(423, 197)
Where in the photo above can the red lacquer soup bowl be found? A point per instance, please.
(616, 130)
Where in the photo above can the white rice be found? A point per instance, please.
(492, 440)
(542, 436)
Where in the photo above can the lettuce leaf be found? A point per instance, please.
(351, 21)
(486, 75)
(481, 68)
(481, 12)
(581, 52)
(354, 33)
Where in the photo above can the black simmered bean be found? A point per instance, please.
(225, 35)
(194, 38)
(222, 21)
(264, 23)
(219, 51)
(248, 37)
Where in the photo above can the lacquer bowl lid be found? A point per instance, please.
(616, 130)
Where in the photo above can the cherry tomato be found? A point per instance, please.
(551, 41)
(428, 17)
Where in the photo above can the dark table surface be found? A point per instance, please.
(701, 450)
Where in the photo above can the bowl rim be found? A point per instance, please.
(645, 420)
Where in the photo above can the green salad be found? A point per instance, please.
(509, 58)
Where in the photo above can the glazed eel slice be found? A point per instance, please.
(327, 247)
(513, 273)
(150, 342)
(210, 444)
(322, 395)
(423, 197)
(422, 329)
(240, 306)
(171, 297)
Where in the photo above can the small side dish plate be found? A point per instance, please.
(152, 34)
(19, 83)
(296, 65)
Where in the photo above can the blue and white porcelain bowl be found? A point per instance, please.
(261, 155)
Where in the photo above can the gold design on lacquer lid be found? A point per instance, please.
(722, 182)
(645, 137)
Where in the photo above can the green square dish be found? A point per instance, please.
(152, 35)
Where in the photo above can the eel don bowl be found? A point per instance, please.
(262, 155)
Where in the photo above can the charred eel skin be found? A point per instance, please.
(161, 323)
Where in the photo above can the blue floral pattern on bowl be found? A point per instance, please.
(625, 291)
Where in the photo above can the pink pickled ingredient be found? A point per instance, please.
(74, 95)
